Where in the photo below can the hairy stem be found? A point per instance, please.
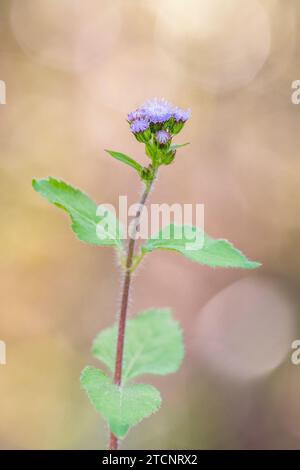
(113, 441)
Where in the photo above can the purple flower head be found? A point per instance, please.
(157, 110)
(180, 115)
(140, 125)
(163, 137)
(134, 115)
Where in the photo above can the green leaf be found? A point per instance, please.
(122, 407)
(92, 224)
(153, 345)
(178, 146)
(214, 253)
(126, 159)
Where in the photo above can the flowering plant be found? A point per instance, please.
(150, 342)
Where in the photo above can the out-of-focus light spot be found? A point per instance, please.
(274, 175)
(144, 73)
(66, 34)
(224, 44)
(246, 330)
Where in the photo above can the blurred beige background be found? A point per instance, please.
(73, 69)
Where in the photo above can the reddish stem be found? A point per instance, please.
(113, 441)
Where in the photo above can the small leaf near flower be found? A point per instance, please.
(178, 146)
(126, 159)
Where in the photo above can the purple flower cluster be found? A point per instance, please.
(159, 113)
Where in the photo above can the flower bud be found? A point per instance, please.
(163, 138)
